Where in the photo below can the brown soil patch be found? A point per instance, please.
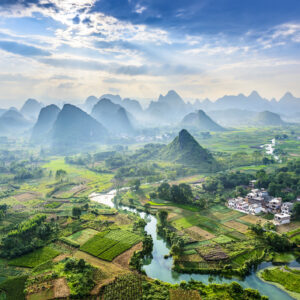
(61, 289)
(124, 258)
(212, 254)
(199, 233)
(60, 257)
(172, 216)
(237, 226)
(122, 219)
(253, 219)
(25, 197)
(108, 269)
(96, 290)
(288, 227)
(192, 257)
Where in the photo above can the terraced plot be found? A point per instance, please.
(237, 226)
(82, 236)
(109, 244)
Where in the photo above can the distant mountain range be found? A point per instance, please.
(114, 117)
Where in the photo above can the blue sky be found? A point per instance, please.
(57, 50)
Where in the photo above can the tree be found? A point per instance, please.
(163, 191)
(296, 211)
(60, 174)
(135, 184)
(76, 212)
(162, 216)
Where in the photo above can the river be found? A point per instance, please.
(160, 268)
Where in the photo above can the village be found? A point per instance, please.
(259, 201)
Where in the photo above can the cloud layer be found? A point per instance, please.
(69, 49)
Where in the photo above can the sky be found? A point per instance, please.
(55, 50)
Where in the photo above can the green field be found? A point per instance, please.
(100, 182)
(82, 236)
(13, 289)
(35, 258)
(109, 244)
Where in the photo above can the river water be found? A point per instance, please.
(160, 268)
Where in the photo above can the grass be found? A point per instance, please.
(97, 181)
(109, 244)
(35, 258)
(82, 236)
(283, 257)
(222, 239)
(284, 276)
(14, 288)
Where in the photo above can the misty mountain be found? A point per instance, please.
(113, 98)
(254, 102)
(31, 108)
(44, 124)
(113, 116)
(89, 103)
(185, 149)
(201, 121)
(267, 118)
(167, 109)
(13, 122)
(132, 106)
(75, 128)
(288, 104)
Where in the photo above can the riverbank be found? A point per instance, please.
(261, 276)
(160, 268)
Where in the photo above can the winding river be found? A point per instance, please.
(160, 268)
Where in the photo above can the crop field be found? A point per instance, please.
(35, 258)
(222, 239)
(97, 181)
(237, 226)
(253, 219)
(199, 233)
(228, 216)
(82, 236)
(109, 244)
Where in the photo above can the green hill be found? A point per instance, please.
(75, 128)
(201, 121)
(185, 149)
(267, 118)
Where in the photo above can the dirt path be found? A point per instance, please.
(124, 258)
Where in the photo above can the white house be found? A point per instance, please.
(286, 208)
(255, 209)
(274, 205)
(242, 206)
(280, 219)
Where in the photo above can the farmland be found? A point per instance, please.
(33, 259)
(108, 245)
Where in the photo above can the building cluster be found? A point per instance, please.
(259, 201)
